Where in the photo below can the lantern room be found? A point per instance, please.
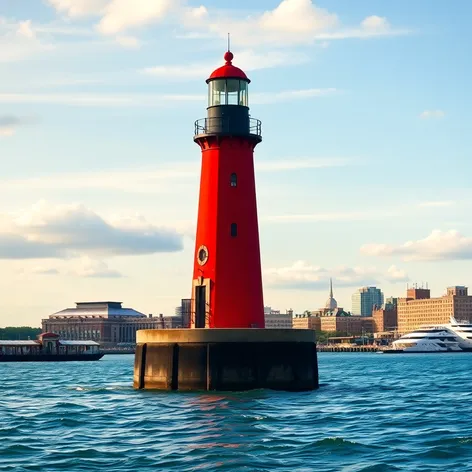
(228, 85)
(228, 104)
(227, 92)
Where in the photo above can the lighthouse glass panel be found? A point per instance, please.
(216, 91)
(232, 89)
(243, 95)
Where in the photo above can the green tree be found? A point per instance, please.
(12, 333)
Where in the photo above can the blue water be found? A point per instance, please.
(373, 413)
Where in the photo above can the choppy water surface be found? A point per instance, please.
(373, 413)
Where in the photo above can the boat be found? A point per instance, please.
(448, 337)
(463, 329)
(49, 348)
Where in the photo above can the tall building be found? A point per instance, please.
(418, 308)
(364, 300)
(183, 312)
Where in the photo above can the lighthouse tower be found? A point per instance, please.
(227, 282)
(240, 354)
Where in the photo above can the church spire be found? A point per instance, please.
(331, 304)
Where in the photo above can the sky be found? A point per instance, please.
(363, 174)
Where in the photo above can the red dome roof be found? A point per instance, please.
(228, 71)
(49, 335)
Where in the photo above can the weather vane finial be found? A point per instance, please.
(229, 42)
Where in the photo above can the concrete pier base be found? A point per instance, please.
(226, 359)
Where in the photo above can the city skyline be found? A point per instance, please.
(361, 174)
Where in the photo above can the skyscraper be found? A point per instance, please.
(364, 300)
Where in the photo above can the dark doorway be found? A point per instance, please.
(200, 306)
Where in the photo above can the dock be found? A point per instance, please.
(348, 348)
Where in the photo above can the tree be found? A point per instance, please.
(12, 333)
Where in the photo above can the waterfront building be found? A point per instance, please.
(364, 300)
(306, 321)
(336, 321)
(183, 311)
(346, 324)
(105, 322)
(418, 308)
(274, 319)
(385, 318)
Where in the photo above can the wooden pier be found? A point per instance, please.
(348, 348)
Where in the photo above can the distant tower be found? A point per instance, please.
(227, 281)
(331, 303)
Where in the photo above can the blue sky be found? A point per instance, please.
(363, 174)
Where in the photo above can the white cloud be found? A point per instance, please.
(439, 245)
(92, 268)
(6, 131)
(432, 114)
(436, 204)
(25, 29)
(396, 275)
(189, 71)
(154, 180)
(61, 231)
(247, 59)
(10, 123)
(75, 267)
(18, 40)
(290, 22)
(302, 275)
(147, 100)
(129, 42)
(290, 95)
(294, 22)
(297, 16)
(276, 165)
(375, 23)
(41, 270)
(332, 216)
(98, 100)
(77, 8)
(120, 15)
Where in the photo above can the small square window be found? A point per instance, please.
(234, 230)
(234, 180)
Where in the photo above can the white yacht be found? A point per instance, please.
(450, 337)
(463, 330)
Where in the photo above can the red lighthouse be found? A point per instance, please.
(227, 281)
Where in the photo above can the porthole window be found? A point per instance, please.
(202, 255)
(234, 230)
(234, 180)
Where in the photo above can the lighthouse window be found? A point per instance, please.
(232, 88)
(234, 180)
(243, 100)
(216, 92)
(234, 230)
(227, 92)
